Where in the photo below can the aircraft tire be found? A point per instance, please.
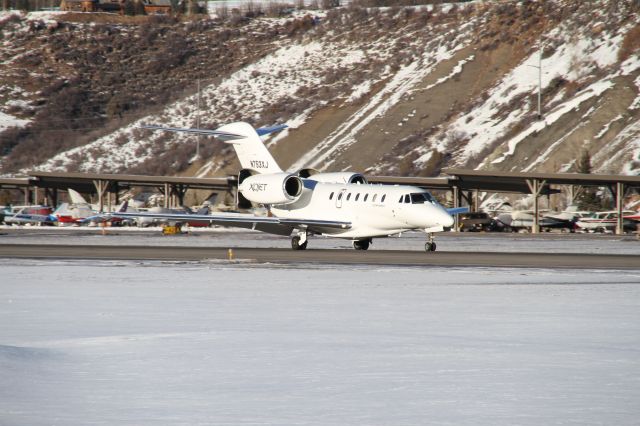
(429, 246)
(295, 243)
(361, 244)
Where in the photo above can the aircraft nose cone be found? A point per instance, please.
(446, 219)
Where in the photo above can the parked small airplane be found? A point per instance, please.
(23, 215)
(605, 221)
(306, 203)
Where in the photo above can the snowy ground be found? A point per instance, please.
(149, 343)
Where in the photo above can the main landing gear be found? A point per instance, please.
(430, 245)
(361, 244)
(299, 242)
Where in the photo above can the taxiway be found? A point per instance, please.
(322, 256)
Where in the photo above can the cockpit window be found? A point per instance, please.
(406, 199)
(421, 198)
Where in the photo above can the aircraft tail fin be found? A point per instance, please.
(250, 149)
(75, 197)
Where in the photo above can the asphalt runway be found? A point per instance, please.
(322, 256)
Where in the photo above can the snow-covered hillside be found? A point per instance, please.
(413, 90)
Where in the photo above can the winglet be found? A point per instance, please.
(262, 131)
(458, 210)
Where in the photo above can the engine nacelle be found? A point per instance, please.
(273, 188)
(336, 177)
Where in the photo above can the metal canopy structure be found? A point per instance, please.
(22, 184)
(540, 183)
(459, 182)
(103, 184)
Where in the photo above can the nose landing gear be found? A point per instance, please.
(299, 242)
(430, 245)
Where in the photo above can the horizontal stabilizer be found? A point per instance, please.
(205, 132)
(458, 210)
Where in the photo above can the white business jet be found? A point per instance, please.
(306, 203)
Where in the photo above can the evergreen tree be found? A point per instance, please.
(584, 163)
(139, 7)
(588, 200)
(129, 8)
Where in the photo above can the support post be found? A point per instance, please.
(619, 202)
(116, 191)
(456, 204)
(101, 188)
(27, 195)
(167, 194)
(476, 200)
(535, 186)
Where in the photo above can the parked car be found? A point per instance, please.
(477, 221)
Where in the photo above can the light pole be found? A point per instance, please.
(539, 66)
(198, 124)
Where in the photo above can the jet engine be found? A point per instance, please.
(335, 177)
(273, 188)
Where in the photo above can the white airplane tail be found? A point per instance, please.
(250, 149)
(75, 197)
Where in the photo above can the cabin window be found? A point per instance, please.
(331, 196)
(340, 196)
(357, 196)
(374, 198)
(365, 197)
(348, 196)
(383, 197)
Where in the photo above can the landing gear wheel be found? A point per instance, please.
(361, 244)
(295, 243)
(430, 246)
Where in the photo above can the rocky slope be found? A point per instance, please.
(401, 91)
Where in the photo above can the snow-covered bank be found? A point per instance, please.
(126, 343)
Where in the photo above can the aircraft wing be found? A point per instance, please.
(270, 224)
(29, 218)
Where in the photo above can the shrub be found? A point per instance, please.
(630, 44)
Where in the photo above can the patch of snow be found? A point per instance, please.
(7, 121)
(594, 90)
(605, 129)
(359, 91)
(622, 153)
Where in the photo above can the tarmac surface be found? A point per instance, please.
(322, 256)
